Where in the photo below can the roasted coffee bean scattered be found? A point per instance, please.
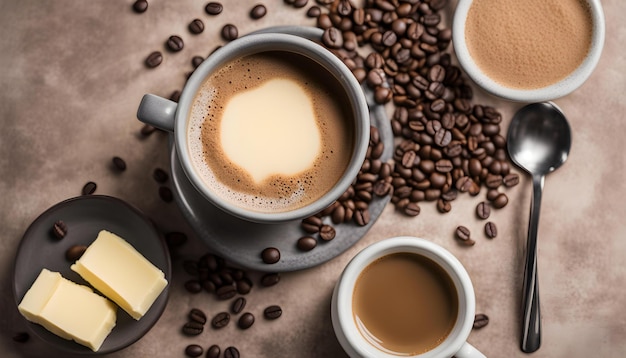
(327, 232)
(196, 61)
(197, 315)
(272, 312)
(306, 243)
(193, 328)
(258, 11)
(160, 175)
(154, 59)
(500, 201)
(140, 6)
(74, 252)
(89, 188)
(213, 351)
(270, 255)
(238, 305)
(480, 320)
(220, 320)
(270, 279)
(246, 320)
(463, 234)
(226, 292)
(175, 43)
(193, 286)
(491, 230)
(119, 163)
(314, 11)
(21, 337)
(231, 352)
(213, 8)
(229, 32)
(194, 350)
(165, 194)
(483, 210)
(196, 26)
(59, 229)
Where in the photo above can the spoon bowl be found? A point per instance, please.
(538, 140)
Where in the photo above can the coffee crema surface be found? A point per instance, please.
(271, 132)
(528, 44)
(405, 304)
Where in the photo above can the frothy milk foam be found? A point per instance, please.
(268, 133)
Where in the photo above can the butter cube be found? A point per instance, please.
(118, 271)
(69, 310)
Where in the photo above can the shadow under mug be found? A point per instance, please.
(173, 117)
(342, 315)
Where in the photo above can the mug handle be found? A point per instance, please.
(468, 351)
(157, 111)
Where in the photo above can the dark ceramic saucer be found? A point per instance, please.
(85, 216)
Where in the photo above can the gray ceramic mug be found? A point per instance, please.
(174, 117)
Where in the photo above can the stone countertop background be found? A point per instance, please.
(72, 76)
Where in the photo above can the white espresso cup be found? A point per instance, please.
(553, 89)
(342, 310)
(175, 117)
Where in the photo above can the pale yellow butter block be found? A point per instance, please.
(69, 310)
(118, 271)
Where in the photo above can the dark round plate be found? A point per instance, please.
(85, 216)
(241, 241)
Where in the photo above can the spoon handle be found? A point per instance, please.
(531, 321)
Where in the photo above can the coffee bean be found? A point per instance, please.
(272, 312)
(229, 32)
(270, 279)
(119, 163)
(443, 206)
(140, 6)
(220, 320)
(511, 180)
(213, 8)
(243, 287)
(74, 252)
(146, 130)
(166, 194)
(412, 209)
(327, 232)
(194, 350)
(270, 255)
(196, 26)
(258, 11)
(246, 320)
(89, 188)
(226, 292)
(300, 3)
(480, 320)
(500, 201)
(197, 61)
(21, 337)
(314, 11)
(59, 229)
(154, 59)
(175, 43)
(160, 175)
(193, 328)
(362, 217)
(238, 305)
(491, 230)
(463, 234)
(482, 210)
(193, 286)
(306, 243)
(197, 315)
(231, 352)
(213, 351)
(332, 38)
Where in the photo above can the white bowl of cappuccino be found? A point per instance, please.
(528, 51)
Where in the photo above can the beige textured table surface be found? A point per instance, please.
(72, 75)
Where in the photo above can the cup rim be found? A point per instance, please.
(343, 320)
(261, 42)
(551, 92)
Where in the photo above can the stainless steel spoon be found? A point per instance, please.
(539, 139)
